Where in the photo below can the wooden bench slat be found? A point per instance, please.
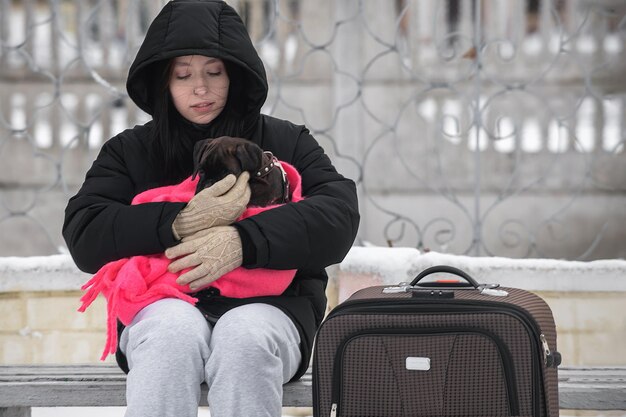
(583, 388)
(58, 369)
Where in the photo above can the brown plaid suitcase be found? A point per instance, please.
(439, 348)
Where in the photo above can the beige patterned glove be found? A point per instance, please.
(214, 252)
(219, 205)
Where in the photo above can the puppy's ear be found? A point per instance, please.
(200, 151)
(250, 157)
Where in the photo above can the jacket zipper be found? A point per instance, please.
(373, 306)
(507, 361)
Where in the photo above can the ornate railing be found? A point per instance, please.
(491, 127)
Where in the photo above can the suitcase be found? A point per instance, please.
(445, 347)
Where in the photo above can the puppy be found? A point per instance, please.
(214, 159)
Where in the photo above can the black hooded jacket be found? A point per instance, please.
(101, 226)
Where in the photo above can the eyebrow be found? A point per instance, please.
(186, 63)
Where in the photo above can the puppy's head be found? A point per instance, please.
(214, 159)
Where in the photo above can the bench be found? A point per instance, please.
(23, 387)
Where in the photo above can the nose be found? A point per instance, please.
(199, 90)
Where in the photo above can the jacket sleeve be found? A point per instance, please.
(315, 232)
(100, 224)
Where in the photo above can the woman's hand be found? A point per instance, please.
(213, 252)
(219, 205)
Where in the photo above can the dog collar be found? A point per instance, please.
(272, 163)
(267, 168)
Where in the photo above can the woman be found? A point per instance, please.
(198, 75)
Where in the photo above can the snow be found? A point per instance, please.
(382, 261)
(27, 273)
(394, 265)
(378, 260)
(41, 264)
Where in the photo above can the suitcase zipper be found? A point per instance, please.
(369, 306)
(507, 361)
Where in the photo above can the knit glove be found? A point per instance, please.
(219, 205)
(213, 252)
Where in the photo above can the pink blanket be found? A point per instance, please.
(130, 284)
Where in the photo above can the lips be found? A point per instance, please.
(202, 107)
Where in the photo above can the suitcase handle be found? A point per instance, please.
(450, 270)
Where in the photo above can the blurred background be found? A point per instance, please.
(488, 128)
(491, 127)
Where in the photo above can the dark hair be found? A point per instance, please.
(174, 136)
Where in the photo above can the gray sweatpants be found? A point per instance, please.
(244, 359)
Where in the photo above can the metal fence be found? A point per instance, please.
(491, 127)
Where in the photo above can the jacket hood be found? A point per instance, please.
(201, 27)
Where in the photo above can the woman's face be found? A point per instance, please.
(199, 87)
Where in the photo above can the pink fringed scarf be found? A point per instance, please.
(130, 284)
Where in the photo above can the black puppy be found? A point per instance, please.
(215, 158)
